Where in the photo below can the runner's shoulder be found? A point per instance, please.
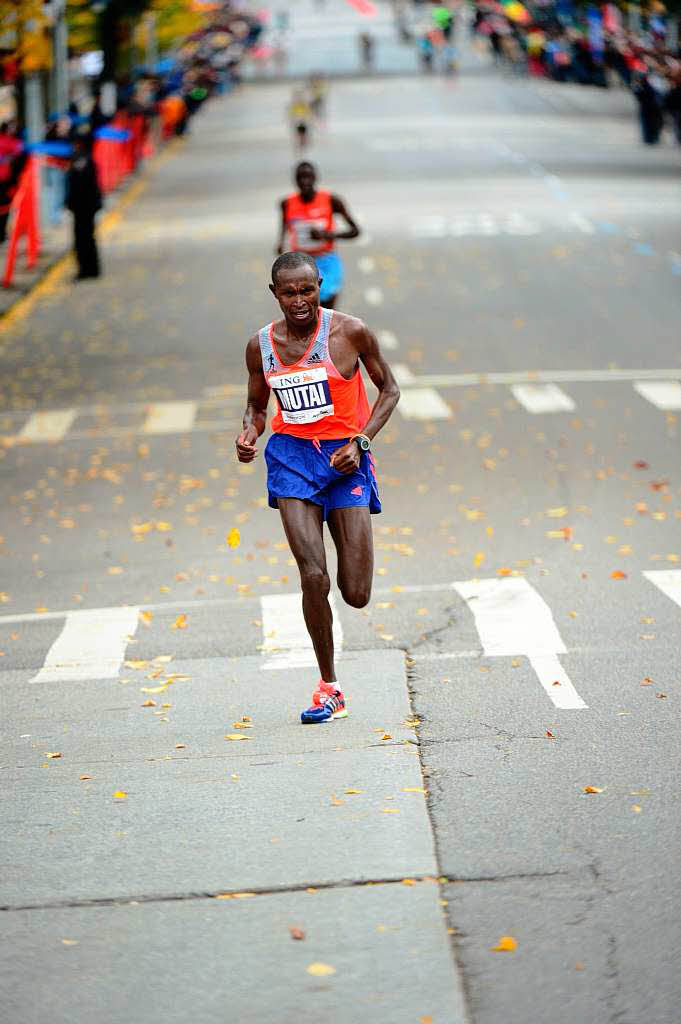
(352, 328)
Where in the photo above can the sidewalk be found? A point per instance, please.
(185, 898)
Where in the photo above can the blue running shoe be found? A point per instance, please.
(324, 707)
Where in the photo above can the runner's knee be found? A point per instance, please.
(356, 594)
(314, 578)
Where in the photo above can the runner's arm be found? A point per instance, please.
(347, 458)
(371, 356)
(339, 207)
(282, 229)
(255, 416)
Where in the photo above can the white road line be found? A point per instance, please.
(90, 646)
(48, 426)
(285, 637)
(366, 264)
(512, 618)
(454, 380)
(582, 223)
(170, 418)
(387, 340)
(403, 374)
(665, 394)
(666, 580)
(541, 398)
(423, 404)
(374, 296)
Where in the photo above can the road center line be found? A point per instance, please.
(512, 618)
(90, 646)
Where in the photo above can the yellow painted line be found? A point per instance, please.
(48, 284)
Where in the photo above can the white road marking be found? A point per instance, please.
(374, 296)
(403, 374)
(666, 580)
(581, 222)
(90, 646)
(541, 398)
(170, 418)
(387, 340)
(48, 426)
(464, 380)
(512, 618)
(665, 394)
(366, 264)
(285, 637)
(423, 404)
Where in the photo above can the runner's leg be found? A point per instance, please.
(351, 532)
(303, 523)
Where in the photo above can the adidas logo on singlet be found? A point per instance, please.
(314, 358)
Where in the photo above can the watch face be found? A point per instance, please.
(363, 443)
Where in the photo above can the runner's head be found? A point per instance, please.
(306, 179)
(295, 286)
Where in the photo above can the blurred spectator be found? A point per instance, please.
(12, 159)
(84, 199)
(300, 116)
(366, 50)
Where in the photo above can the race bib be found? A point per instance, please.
(304, 396)
(303, 238)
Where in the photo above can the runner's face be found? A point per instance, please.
(297, 292)
(306, 181)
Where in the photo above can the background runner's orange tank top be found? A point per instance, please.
(314, 400)
(301, 216)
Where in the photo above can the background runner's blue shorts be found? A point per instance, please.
(330, 268)
(296, 468)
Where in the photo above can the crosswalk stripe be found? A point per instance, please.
(541, 398)
(387, 340)
(668, 581)
(403, 374)
(665, 394)
(423, 404)
(170, 418)
(48, 426)
(512, 618)
(286, 641)
(90, 646)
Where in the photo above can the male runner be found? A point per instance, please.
(307, 225)
(319, 465)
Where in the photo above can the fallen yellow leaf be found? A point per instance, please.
(180, 622)
(236, 736)
(54, 755)
(120, 794)
(233, 538)
(320, 970)
(479, 559)
(593, 789)
(146, 617)
(506, 944)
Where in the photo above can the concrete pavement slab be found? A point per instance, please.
(215, 961)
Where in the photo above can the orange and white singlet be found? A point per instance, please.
(300, 217)
(315, 401)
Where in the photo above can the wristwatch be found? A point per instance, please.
(363, 442)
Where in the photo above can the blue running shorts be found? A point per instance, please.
(296, 468)
(331, 271)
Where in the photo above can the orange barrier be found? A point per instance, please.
(25, 210)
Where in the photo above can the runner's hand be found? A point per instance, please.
(346, 459)
(321, 235)
(245, 445)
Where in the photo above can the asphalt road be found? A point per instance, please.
(520, 261)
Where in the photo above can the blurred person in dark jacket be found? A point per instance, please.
(84, 199)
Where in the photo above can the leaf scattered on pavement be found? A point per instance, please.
(506, 944)
(320, 970)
